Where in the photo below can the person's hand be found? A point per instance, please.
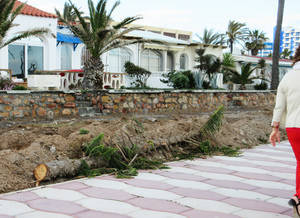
(275, 136)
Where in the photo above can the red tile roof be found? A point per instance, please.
(32, 11)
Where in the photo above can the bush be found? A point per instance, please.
(262, 86)
(180, 80)
(83, 131)
(19, 88)
(6, 84)
(138, 74)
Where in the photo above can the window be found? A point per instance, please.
(184, 37)
(151, 60)
(16, 60)
(297, 38)
(298, 34)
(286, 44)
(170, 62)
(117, 59)
(183, 62)
(35, 59)
(66, 56)
(173, 35)
(287, 34)
(297, 44)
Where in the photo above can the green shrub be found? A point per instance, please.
(138, 74)
(6, 84)
(83, 132)
(19, 88)
(180, 80)
(261, 86)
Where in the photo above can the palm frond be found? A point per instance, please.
(40, 33)
(213, 124)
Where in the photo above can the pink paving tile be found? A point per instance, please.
(211, 169)
(97, 214)
(270, 160)
(230, 184)
(238, 163)
(255, 205)
(71, 186)
(184, 176)
(21, 196)
(149, 184)
(289, 212)
(282, 154)
(257, 176)
(199, 194)
(109, 194)
(177, 164)
(113, 178)
(158, 205)
(57, 206)
(5, 216)
(279, 169)
(275, 192)
(199, 214)
(289, 182)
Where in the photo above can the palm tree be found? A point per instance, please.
(211, 38)
(68, 13)
(255, 41)
(207, 63)
(235, 33)
(286, 53)
(262, 66)
(99, 36)
(275, 65)
(244, 77)
(228, 65)
(7, 16)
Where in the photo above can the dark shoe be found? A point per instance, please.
(295, 204)
(292, 202)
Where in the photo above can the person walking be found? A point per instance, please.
(288, 107)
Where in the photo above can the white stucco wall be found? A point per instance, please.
(25, 22)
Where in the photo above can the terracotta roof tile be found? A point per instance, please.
(32, 11)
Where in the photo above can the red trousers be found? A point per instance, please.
(294, 138)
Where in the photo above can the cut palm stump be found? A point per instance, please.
(40, 173)
(63, 168)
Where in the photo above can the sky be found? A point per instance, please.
(195, 15)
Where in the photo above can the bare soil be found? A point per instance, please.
(25, 145)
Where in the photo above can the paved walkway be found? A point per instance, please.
(256, 185)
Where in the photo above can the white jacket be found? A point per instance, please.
(288, 99)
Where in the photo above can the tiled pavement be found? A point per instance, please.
(256, 185)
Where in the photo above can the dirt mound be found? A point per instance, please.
(23, 147)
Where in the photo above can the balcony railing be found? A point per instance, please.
(72, 79)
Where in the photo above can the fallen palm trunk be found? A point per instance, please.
(64, 168)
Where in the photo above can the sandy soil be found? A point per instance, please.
(24, 146)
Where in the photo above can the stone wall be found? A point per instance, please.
(55, 104)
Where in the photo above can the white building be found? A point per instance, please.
(284, 66)
(176, 51)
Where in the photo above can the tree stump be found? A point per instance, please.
(63, 168)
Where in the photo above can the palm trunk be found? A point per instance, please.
(231, 46)
(275, 65)
(93, 73)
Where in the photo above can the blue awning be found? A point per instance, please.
(68, 39)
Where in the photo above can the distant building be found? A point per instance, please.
(267, 50)
(289, 39)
